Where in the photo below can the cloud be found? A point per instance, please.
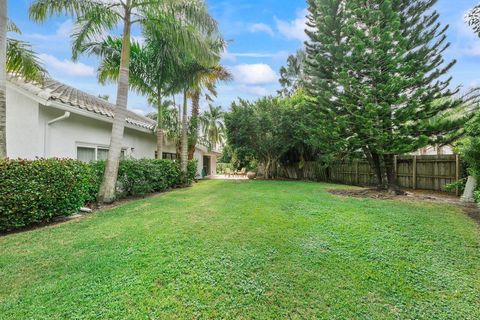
(63, 32)
(67, 67)
(261, 27)
(256, 90)
(254, 74)
(295, 29)
(232, 56)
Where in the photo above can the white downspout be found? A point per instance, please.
(46, 135)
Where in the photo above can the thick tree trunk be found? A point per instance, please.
(159, 127)
(184, 153)
(3, 79)
(391, 174)
(194, 124)
(107, 188)
(374, 161)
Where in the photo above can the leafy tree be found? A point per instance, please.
(257, 131)
(376, 73)
(18, 58)
(95, 18)
(292, 75)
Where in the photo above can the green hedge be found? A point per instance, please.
(37, 191)
(40, 190)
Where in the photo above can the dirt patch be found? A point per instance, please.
(408, 195)
(472, 210)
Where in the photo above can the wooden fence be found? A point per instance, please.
(413, 172)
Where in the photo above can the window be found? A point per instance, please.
(102, 154)
(167, 156)
(87, 154)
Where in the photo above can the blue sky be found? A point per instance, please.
(261, 34)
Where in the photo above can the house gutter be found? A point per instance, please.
(46, 140)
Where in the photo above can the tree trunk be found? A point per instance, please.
(194, 123)
(391, 174)
(159, 127)
(184, 154)
(3, 79)
(107, 188)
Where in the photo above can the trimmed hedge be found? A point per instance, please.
(40, 190)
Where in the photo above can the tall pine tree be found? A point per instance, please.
(376, 74)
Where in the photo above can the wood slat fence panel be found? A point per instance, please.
(413, 172)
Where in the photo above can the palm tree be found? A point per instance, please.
(206, 78)
(213, 126)
(94, 18)
(17, 58)
(3, 79)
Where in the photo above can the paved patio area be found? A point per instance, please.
(228, 177)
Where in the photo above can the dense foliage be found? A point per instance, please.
(376, 72)
(40, 190)
(373, 84)
(469, 149)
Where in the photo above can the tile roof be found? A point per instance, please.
(52, 90)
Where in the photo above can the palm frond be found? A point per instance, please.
(22, 61)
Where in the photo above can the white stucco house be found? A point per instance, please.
(56, 120)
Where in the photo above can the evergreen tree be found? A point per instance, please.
(376, 74)
(291, 75)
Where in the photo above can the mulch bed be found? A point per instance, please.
(472, 210)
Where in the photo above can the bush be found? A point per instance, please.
(40, 190)
(140, 177)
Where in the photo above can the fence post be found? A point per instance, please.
(357, 180)
(414, 182)
(457, 173)
(395, 167)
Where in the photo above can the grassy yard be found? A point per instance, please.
(247, 250)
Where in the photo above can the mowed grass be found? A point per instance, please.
(247, 250)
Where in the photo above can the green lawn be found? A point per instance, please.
(247, 250)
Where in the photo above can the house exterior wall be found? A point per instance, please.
(24, 137)
(29, 135)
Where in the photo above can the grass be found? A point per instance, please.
(247, 250)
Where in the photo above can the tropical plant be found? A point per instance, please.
(16, 58)
(213, 126)
(94, 18)
(207, 78)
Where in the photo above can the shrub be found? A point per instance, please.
(39, 190)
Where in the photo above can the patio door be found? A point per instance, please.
(206, 166)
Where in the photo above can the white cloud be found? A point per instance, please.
(254, 74)
(67, 67)
(258, 91)
(294, 30)
(63, 32)
(261, 27)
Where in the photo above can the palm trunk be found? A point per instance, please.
(184, 154)
(3, 79)
(108, 186)
(194, 123)
(159, 127)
